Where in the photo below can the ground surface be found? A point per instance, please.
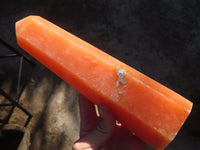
(158, 38)
(53, 104)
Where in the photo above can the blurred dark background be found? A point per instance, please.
(159, 38)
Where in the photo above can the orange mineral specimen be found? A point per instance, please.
(150, 110)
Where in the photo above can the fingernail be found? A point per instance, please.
(100, 109)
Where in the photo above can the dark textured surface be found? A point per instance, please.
(159, 38)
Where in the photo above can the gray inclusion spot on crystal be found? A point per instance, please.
(120, 73)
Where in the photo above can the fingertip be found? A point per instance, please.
(88, 117)
(107, 119)
(105, 112)
(81, 146)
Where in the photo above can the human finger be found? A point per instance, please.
(98, 138)
(88, 117)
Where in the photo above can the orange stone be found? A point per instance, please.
(150, 110)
